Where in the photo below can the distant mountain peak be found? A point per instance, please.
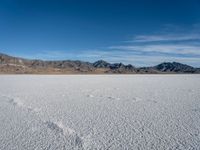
(101, 64)
(174, 67)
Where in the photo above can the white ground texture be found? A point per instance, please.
(117, 112)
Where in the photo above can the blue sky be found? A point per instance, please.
(139, 32)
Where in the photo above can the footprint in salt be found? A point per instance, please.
(90, 95)
(61, 129)
(113, 98)
(110, 97)
(16, 102)
(58, 127)
(137, 99)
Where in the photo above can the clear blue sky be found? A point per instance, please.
(139, 32)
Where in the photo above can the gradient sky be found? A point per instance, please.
(139, 32)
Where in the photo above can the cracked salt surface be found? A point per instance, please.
(99, 112)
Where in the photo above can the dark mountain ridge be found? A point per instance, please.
(16, 65)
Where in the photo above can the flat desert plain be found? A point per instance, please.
(117, 112)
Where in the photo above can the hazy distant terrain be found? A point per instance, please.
(99, 112)
(15, 65)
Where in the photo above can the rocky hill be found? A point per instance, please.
(15, 65)
(175, 67)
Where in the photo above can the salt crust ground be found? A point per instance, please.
(99, 112)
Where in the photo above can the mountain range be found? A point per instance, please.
(16, 65)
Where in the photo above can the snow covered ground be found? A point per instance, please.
(99, 112)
